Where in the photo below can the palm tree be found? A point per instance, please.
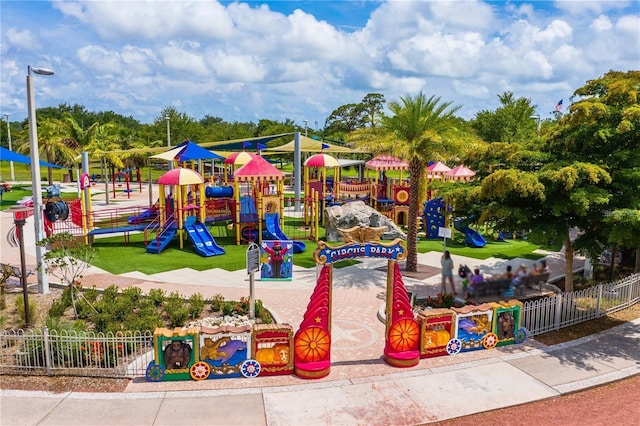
(419, 128)
(53, 143)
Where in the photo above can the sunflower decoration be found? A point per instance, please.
(404, 335)
(312, 344)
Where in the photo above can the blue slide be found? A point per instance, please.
(272, 231)
(471, 237)
(202, 240)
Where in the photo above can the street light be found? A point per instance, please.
(13, 176)
(43, 283)
(169, 138)
(536, 117)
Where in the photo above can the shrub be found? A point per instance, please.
(20, 309)
(196, 305)
(58, 307)
(216, 302)
(157, 296)
(132, 295)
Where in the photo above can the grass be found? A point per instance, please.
(508, 249)
(117, 258)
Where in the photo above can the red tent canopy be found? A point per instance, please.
(386, 162)
(256, 170)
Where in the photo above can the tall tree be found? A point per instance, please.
(418, 130)
(512, 122)
(372, 105)
(603, 127)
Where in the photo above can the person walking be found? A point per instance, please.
(447, 272)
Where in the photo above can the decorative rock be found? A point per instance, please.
(357, 213)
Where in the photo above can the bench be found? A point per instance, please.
(11, 271)
(488, 287)
(529, 281)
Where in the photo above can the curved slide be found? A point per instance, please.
(202, 239)
(272, 231)
(471, 237)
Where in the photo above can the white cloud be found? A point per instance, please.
(23, 39)
(135, 57)
(601, 23)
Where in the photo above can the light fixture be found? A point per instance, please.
(43, 283)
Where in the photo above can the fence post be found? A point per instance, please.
(556, 325)
(47, 350)
(598, 300)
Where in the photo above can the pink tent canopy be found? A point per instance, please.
(438, 168)
(258, 169)
(321, 160)
(460, 172)
(181, 177)
(386, 162)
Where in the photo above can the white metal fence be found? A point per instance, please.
(127, 354)
(565, 309)
(73, 353)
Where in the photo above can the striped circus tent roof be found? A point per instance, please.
(386, 162)
(321, 160)
(240, 158)
(460, 172)
(438, 168)
(181, 176)
(258, 169)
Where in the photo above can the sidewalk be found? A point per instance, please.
(403, 397)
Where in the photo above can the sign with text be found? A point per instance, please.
(444, 232)
(392, 251)
(253, 258)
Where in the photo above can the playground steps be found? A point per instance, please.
(162, 240)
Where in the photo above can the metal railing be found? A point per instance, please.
(71, 353)
(565, 309)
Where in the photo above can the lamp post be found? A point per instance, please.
(536, 117)
(13, 176)
(169, 138)
(306, 125)
(43, 283)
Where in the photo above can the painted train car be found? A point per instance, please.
(201, 353)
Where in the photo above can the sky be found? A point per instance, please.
(251, 60)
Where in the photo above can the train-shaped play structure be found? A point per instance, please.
(201, 353)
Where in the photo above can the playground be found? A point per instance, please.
(247, 204)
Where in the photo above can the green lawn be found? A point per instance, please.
(116, 257)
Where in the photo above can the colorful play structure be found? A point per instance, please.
(250, 203)
(248, 198)
(200, 353)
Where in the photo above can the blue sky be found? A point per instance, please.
(244, 61)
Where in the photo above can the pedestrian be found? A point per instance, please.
(447, 272)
